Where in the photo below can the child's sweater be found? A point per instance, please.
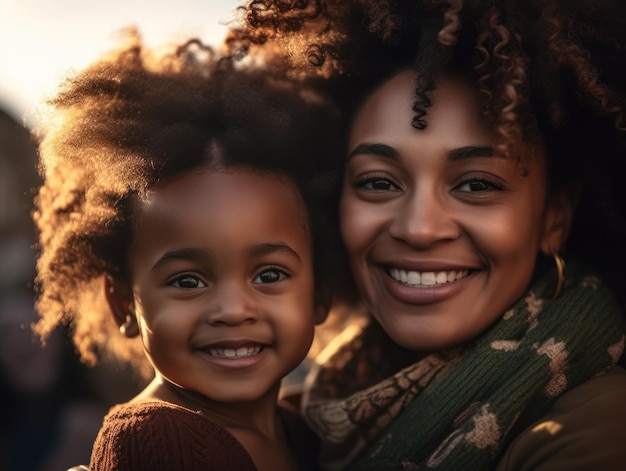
(162, 436)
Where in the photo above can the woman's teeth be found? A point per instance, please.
(235, 352)
(426, 278)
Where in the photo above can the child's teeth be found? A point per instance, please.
(232, 353)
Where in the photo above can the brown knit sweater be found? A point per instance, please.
(161, 436)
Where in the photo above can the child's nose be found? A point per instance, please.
(232, 306)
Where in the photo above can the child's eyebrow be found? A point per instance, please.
(180, 254)
(195, 254)
(270, 248)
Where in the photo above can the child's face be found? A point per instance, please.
(442, 233)
(222, 279)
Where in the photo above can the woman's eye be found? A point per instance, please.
(188, 282)
(377, 184)
(478, 185)
(269, 276)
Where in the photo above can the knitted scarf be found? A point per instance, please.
(459, 409)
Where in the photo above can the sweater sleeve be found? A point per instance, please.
(583, 431)
(159, 436)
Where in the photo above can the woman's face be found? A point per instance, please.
(442, 233)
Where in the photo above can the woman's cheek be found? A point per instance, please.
(354, 224)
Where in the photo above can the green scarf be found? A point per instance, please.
(460, 409)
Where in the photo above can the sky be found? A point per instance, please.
(42, 40)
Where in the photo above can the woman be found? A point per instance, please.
(482, 223)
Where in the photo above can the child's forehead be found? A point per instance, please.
(223, 213)
(217, 177)
(213, 189)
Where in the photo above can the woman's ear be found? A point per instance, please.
(558, 219)
(120, 299)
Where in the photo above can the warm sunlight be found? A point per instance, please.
(41, 40)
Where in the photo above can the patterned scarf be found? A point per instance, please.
(459, 409)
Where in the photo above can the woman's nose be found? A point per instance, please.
(231, 306)
(423, 218)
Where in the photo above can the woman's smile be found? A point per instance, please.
(426, 279)
(420, 287)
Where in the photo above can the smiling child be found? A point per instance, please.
(177, 225)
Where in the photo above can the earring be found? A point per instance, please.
(560, 273)
(124, 327)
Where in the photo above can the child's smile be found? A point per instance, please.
(222, 277)
(235, 353)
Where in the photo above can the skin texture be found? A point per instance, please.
(221, 260)
(441, 200)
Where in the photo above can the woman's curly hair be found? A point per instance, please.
(134, 119)
(550, 72)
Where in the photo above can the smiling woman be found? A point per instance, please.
(439, 203)
(179, 231)
(483, 219)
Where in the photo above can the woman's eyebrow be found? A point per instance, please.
(381, 150)
(469, 152)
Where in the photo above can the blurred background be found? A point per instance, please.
(53, 405)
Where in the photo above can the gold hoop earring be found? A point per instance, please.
(560, 273)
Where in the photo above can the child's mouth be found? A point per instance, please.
(240, 352)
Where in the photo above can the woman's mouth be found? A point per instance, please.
(427, 279)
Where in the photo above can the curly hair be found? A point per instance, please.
(136, 118)
(550, 73)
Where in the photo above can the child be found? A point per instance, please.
(177, 202)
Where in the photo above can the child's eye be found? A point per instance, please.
(479, 185)
(269, 276)
(376, 184)
(188, 281)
